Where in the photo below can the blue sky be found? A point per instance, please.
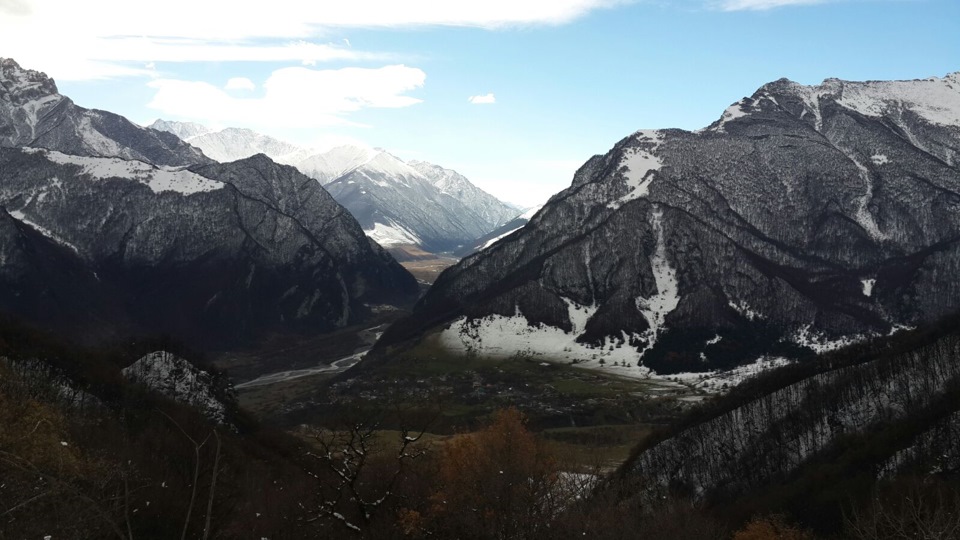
(568, 78)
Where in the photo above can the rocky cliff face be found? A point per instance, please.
(805, 217)
(33, 113)
(217, 254)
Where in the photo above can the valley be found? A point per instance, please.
(750, 326)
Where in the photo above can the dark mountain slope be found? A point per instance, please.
(804, 218)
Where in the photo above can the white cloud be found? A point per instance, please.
(240, 83)
(105, 35)
(757, 5)
(482, 100)
(293, 97)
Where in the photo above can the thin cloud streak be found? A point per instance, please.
(762, 5)
(487, 99)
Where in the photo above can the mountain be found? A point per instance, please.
(492, 210)
(183, 130)
(396, 204)
(231, 144)
(215, 254)
(804, 218)
(500, 232)
(336, 162)
(33, 113)
(817, 435)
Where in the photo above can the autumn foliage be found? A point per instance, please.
(497, 483)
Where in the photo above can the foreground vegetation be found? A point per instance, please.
(84, 454)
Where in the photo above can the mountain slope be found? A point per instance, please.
(499, 233)
(396, 204)
(803, 218)
(491, 210)
(33, 113)
(216, 254)
(812, 438)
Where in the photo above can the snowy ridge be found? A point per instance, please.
(20, 216)
(158, 179)
(640, 163)
(493, 241)
(183, 130)
(936, 100)
(336, 162)
(732, 113)
(179, 380)
(528, 215)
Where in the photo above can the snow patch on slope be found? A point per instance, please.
(640, 166)
(744, 309)
(863, 215)
(820, 343)
(496, 336)
(732, 113)
(20, 216)
(935, 100)
(879, 159)
(868, 286)
(158, 179)
(392, 234)
(656, 308)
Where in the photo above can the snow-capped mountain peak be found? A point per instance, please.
(21, 85)
(336, 162)
(184, 130)
(231, 144)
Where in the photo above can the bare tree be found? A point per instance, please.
(916, 511)
(360, 487)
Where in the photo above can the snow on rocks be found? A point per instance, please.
(179, 380)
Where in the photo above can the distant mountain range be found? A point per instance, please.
(108, 229)
(396, 203)
(804, 218)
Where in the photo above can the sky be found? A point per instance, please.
(514, 94)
